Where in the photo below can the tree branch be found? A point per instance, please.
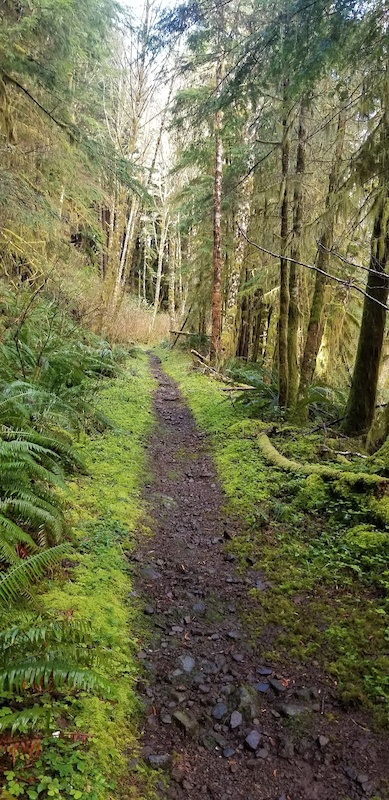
(348, 283)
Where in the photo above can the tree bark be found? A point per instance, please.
(294, 269)
(161, 252)
(315, 325)
(172, 281)
(284, 272)
(362, 398)
(217, 201)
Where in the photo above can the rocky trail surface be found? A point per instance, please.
(220, 721)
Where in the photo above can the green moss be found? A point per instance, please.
(321, 545)
(106, 512)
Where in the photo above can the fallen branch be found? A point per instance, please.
(189, 333)
(273, 456)
(207, 366)
(240, 389)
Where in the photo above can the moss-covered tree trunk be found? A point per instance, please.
(284, 272)
(258, 325)
(294, 269)
(362, 398)
(217, 216)
(316, 322)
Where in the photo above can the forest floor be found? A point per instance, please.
(221, 721)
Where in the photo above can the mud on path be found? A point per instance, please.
(221, 722)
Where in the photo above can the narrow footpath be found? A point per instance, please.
(219, 721)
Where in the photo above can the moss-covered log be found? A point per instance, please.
(325, 471)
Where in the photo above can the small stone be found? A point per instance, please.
(286, 748)
(159, 761)
(149, 610)
(188, 663)
(253, 739)
(322, 741)
(142, 655)
(187, 619)
(220, 740)
(203, 687)
(234, 768)
(209, 667)
(199, 607)
(233, 635)
(264, 671)
(292, 709)
(277, 685)
(239, 657)
(262, 687)
(228, 752)
(166, 719)
(262, 753)
(351, 773)
(187, 723)
(308, 693)
(177, 629)
(362, 778)
(219, 711)
(187, 785)
(236, 720)
(275, 714)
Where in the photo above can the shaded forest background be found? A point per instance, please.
(223, 163)
(219, 170)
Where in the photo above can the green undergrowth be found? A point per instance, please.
(91, 736)
(322, 544)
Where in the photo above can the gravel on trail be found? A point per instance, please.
(219, 721)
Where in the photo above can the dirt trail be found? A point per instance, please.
(219, 721)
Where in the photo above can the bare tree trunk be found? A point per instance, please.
(172, 282)
(294, 270)
(217, 213)
(161, 252)
(284, 269)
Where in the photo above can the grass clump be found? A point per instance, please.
(323, 544)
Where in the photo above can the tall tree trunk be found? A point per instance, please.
(294, 269)
(161, 252)
(258, 327)
(172, 281)
(217, 201)
(362, 398)
(284, 269)
(315, 325)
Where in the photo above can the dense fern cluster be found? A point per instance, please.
(49, 372)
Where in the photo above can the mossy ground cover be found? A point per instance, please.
(323, 546)
(94, 737)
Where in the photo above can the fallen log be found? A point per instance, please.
(273, 456)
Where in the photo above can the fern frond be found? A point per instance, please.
(16, 582)
(35, 718)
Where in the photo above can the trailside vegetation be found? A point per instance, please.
(68, 638)
(319, 533)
